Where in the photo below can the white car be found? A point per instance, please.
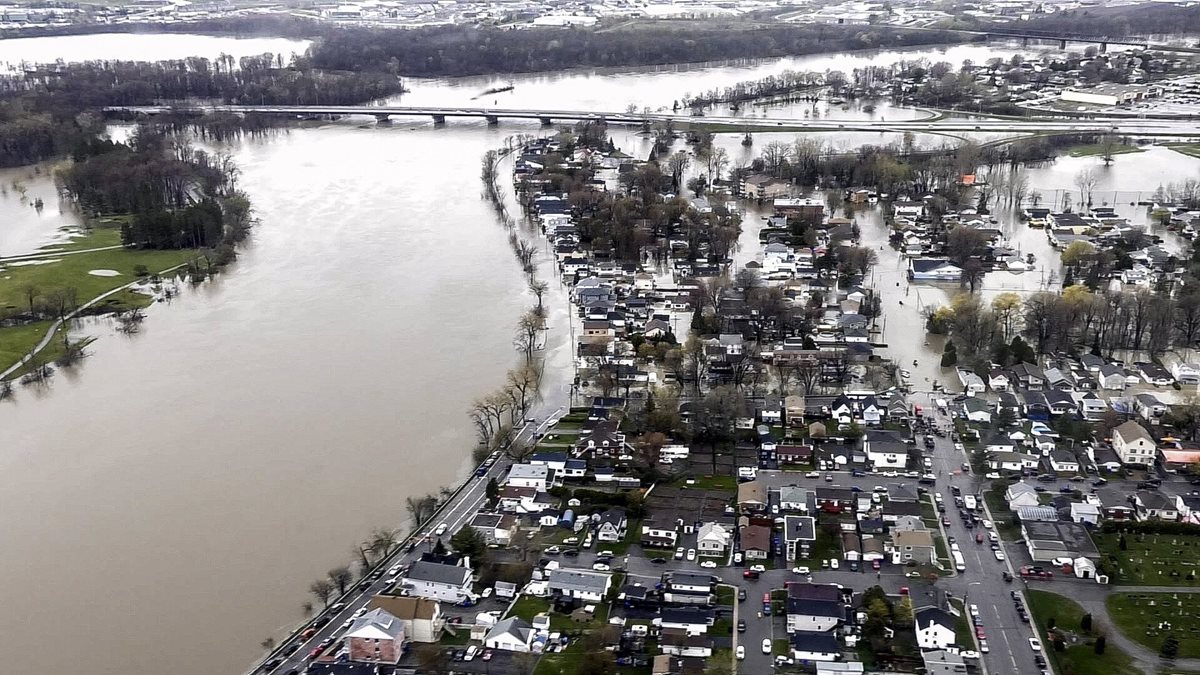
(601, 567)
(974, 610)
(833, 563)
(987, 524)
(905, 374)
(969, 654)
(999, 554)
(993, 475)
(571, 540)
(983, 646)
(708, 564)
(890, 474)
(766, 645)
(441, 529)
(813, 474)
(553, 550)
(804, 571)
(1035, 644)
(959, 447)
(606, 554)
(679, 553)
(758, 568)
(741, 652)
(471, 652)
(691, 554)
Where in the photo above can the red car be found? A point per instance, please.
(875, 564)
(315, 653)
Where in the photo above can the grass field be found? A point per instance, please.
(1097, 149)
(1151, 559)
(1079, 657)
(1189, 149)
(71, 273)
(1147, 618)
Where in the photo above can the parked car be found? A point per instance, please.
(708, 564)
(1035, 644)
(741, 626)
(741, 652)
(766, 645)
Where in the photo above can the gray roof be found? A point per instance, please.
(581, 580)
(438, 573)
(376, 624)
(514, 626)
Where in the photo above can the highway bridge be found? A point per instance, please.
(1131, 126)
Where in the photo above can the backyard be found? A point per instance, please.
(1150, 559)
(1147, 618)
(1079, 656)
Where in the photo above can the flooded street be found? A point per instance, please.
(181, 489)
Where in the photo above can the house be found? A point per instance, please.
(1059, 402)
(851, 547)
(1049, 540)
(799, 533)
(611, 525)
(1153, 505)
(1011, 461)
(1187, 374)
(687, 588)
(1149, 407)
(1063, 461)
(793, 498)
(1114, 504)
(1154, 374)
(438, 581)
(678, 642)
(756, 542)
(375, 637)
(885, 450)
(814, 607)
(1112, 378)
(714, 539)
(793, 454)
(944, 662)
(834, 499)
(1085, 513)
(997, 380)
(972, 383)
(1020, 494)
(933, 269)
(1133, 444)
(1090, 406)
(537, 476)
(815, 646)
(691, 620)
(513, 634)
(422, 617)
(934, 628)
(751, 496)
(977, 410)
(579, 584)
(915, 545)
(1028, 376)
(496, 528)
(1188, 507)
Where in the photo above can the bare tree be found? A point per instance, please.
(539, 288)
(307, 608)
(268, 643)
(678, 164)
(716, 162)
(30, 293)
(1086, 180)
(340, 576)
(528, 328)
(322, 590)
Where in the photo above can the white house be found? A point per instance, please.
(934, 627)
(537, 476)
(1063, 461)
(422, 617)
(444, 583)
(998, 380)
(885, 451)
(512, 635)
(611, 526)
(793, 498)
(579, 584)
(1186, 373)
(713, 539)
(1133, 444)
(1083, 512)
(933, 269)
(815, 646)
(971, 382)
(1020, 494)
(1012, 461)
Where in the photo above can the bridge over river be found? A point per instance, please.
(1131, 126)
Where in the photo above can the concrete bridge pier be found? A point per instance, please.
(492, 120)
(439, 120)
(1062, 44)
(546, 121)
(1103, 47)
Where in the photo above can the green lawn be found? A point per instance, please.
(1189, 149)
(1079, 658)
(825, 547)
(726, 595)
(72, 272)
(1151, 559)
(528, 606)
(1097, 149)
(963, 635)
(1147, 618)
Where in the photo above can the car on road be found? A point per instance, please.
(750, 574)
(766, 645)
(741, 652)
(606, 554)
(945, 521)
(570, 552)
(987, 524)
(758, 568)
(1007, 576)
(571, 540)
(659, 561)
(679, 553)
(741, 627)
(813, 474)
(999, 554)
(875, 565)
(487, 655)
(983, 646)
(601, 567)
(441, 529)
(708, 564)
(1035, 644)
(691, 554)
(553, 550)
(801, 570)
(991, 475)
(828, 478)
(741, 595)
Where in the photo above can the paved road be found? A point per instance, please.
(461, 508)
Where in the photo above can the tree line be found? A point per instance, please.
(467, 50)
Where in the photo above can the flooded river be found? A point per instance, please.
(180, 490)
